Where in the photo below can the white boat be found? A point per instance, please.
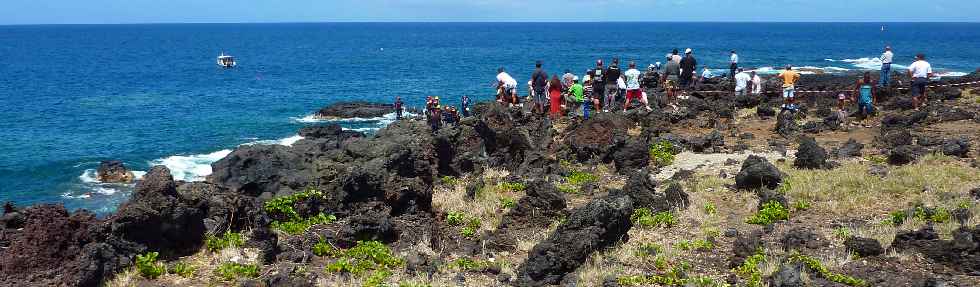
(226, 61)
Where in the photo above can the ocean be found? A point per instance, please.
(73, 95)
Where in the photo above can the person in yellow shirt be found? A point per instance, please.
(789, 87)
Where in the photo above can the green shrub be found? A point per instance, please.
(283, 206)
(230, 271)
(228, 239)
(646, 219)
(578, 178)
(939, 215)
(507, 202)
(662, 153)
(898, 217)
(801, 204)
(148, 266)
(449, 180)
(749, 269)
(567, 188)
(710, 209)
(471, 227)
(512, 186)
(469, 265)
(842, 233)
(649, 249)
(377, 279)
(183, 269)
(676, 276)
(455, 218)
(365, 256)
(814, 265)
(298, 226)
(322, 248)
(771, 212)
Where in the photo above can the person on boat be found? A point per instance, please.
(554, 96)
(465, 106)
(733, 64)
(789, 78)
(633, 90)
(866, 95)
(886, 66)
(688, 65)
(920, 71)
(398, 108)
(539, 82)
(508, 86)
(611, 90)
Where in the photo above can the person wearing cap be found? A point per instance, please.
(507, 86)
(886, 66)
(598, 83)
(633, 90)
(651, 77)
(398, 108)
(539, 82)
(588, 95)
(566, 80)
(920, 71)
(672, 72)
(733, 61)
(577, 96)
(688, 65)
(611, 90)
(789, 78)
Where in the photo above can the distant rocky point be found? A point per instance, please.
(358, 109)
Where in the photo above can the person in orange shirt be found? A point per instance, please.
(789, 87)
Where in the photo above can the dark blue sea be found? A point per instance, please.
(72, 95)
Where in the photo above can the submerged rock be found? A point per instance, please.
(114, 171)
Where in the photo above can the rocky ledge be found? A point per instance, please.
(349, 110)
(702, 195)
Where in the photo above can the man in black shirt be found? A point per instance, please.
(539, 80)
(688, 65)
(612, 89)
(598, 83)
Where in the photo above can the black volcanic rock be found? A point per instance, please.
(114, 171)
(758, 172)
(156, 216)
(355, 110)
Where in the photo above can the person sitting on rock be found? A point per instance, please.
(507, 86)
(866, 95)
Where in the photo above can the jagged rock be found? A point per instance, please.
(256, 169)
(765, 111)
(801, 237)
(901, 155)
(157, 218)
(597, 225)
(810, 155)
(745, 245)
(286, 277)
(788, 275)
(706, 143)
(851, 148)
(757, 172)
(786, 125)
(372, 226)
(598, 137)
(956, 147)
(642, 188)
(768, 195)
(635, 155)
(961, 254)
(864, 247)
(897, 138)
(474, 187)
(114, 171)
(355, 110)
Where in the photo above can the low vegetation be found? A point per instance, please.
(814, 265)
(365, 256)
(226, 240)
(662, 153)
(231, 271)
(290, 221)
(645, 218)
(771, 212)
(148, 266)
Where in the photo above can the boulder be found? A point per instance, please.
(598, 137)
(788, 275)
(538, 209)
(346, 110)
(595, 226)
(902, 155)
(707, 143)
(956, 147)
(851, 148)
(745, 245)
(642, 189)
(801, 237)
(256, 169)
(962, 253)
(114, 171)
(786, 125)
(897, 137)
(634, 156)
(157, 218)
(864, 247)
(810, 155)
(758, 172)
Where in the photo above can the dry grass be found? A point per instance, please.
(204, 262)
(487, 205)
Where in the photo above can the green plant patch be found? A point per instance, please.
(579, 178)
(513, 186)
(365, 256)
(148, 266)
(645, 218)
(283, 206)
(455, 218)
(226, 240)
(814, 265)
(842, 233)
(183, 269)
(449, 180)
(749, 269)
(508, 203)
(676, 276)
(377, 278)
(298, 226)
(771, 212)
(662, 153)
(801, 205)
(231, 271)
(322, 248)
(710, 209)
(568, 188)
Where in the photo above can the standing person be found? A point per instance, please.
(599, 83)
(842, 113)
(554, 96)
(588, 96)
(674, 57)
(435, 114)
(741, 83)
(866, 95)
(688, 65)
(756, 84)
(789, 87)
(633, 90)
(733, 63)
(398, 108)
(612, 87)
(651, 78)
(539, 81)
(508, 86)
(886, 66)
(465, 106)
(566, 80)
(920, 71)
(671, 73)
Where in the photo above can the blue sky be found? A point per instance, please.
(183, 11)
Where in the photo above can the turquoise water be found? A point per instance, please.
(73, 95)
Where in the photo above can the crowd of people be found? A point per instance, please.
(601, 88)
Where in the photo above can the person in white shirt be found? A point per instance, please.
(756, 84)
(734, 63)
(741, 82)
(508, 86)
(633, 87)
(920, 71)
(705, 73)
(886, 66)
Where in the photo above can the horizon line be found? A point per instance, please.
(494, 21)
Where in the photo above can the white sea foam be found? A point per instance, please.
(289, 141)
(363, 130)
(868, 63)
(191, 167)
(89, 176)
(952, 74)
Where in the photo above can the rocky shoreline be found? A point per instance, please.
(562, 193)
